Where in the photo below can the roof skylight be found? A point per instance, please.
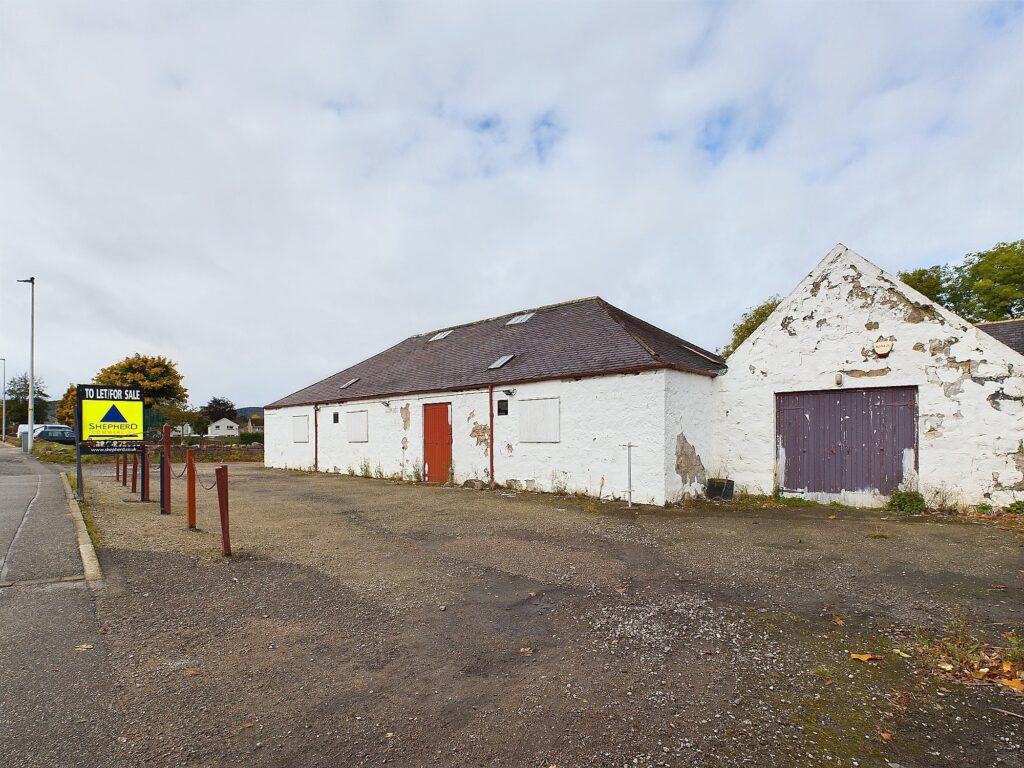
(500, 361)
(349, 383)
(441, 335)
(519, 319)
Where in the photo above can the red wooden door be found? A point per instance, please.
(437, 442)
(847, 439)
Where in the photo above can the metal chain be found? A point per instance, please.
(207, 487)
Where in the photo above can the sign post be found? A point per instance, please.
(108, 421)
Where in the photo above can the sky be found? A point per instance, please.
(268, 192)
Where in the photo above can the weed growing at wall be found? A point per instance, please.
(906, 502)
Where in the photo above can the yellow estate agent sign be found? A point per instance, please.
(110, 413)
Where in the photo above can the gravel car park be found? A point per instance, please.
(367, 621)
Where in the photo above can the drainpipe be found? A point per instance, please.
(316, 438)
(490, 430)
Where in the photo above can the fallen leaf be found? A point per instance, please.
(532, 594)
(886, 736)
(83, 647)
(980, 673)
(1015, 683)
(103, 630)
(191, 672)
(865, 656)
(245, 726)
(526, 651)
(838, 620)
(389, 735)
(945, 666)
(898, 652)
(832, 517)
(1007, 666)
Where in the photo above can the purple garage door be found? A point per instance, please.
(847, 439)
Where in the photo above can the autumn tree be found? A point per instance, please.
(17, 400)
(157, 376)
(67, 405)
(749, 322)
(219, 408)
(988, 285)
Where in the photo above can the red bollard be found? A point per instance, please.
(190, 487)
(222, 499)
(135, 470)
(165, 476)
(124, 470)
(145, 475)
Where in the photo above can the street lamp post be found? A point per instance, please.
(3, 432)
(31, 365)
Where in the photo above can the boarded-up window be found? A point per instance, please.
(538, 420)
(300, 429)
(356, 427)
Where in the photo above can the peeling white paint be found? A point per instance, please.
(970, 387)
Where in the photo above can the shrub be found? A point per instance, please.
(907, 502)
(248, 438)
(1016, 508)
(417, 472)
(984, 509)
(364, 468)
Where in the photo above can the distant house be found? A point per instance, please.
(183, 430)
(222, 428)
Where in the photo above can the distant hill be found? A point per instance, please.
(249, 410)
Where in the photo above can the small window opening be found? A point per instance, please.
(441, 335)
(518, 319)
(500, 361)
(335, 417)
(503, 407)
(349, 383)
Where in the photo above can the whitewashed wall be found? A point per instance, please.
(970, 387)
(691, 413)
(596, 416)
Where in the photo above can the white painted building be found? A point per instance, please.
(222, 428)
(854, 387)
(861, 348)
(584, 380)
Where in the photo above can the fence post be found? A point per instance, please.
(165, 472)
(117, 467)
(190, 486)
(124, 469)
(135, 471)
(222, 498)
(145, 474)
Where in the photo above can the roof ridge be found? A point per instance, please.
(507, 314)
(1000, 322)
(614, 313)
(706, 354)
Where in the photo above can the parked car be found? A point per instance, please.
(40, 427)
(62, 435)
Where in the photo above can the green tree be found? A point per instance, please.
(158, 378)
(219, 408)
(749, 322)
(66, 406)
(988, 285)
(17, 400)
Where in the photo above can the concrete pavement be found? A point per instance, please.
(55, 692)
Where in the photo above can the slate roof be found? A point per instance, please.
(585, 337)
(1010, 332)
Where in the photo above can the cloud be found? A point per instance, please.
(268, 193)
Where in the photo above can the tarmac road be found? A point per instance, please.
(55, 697)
